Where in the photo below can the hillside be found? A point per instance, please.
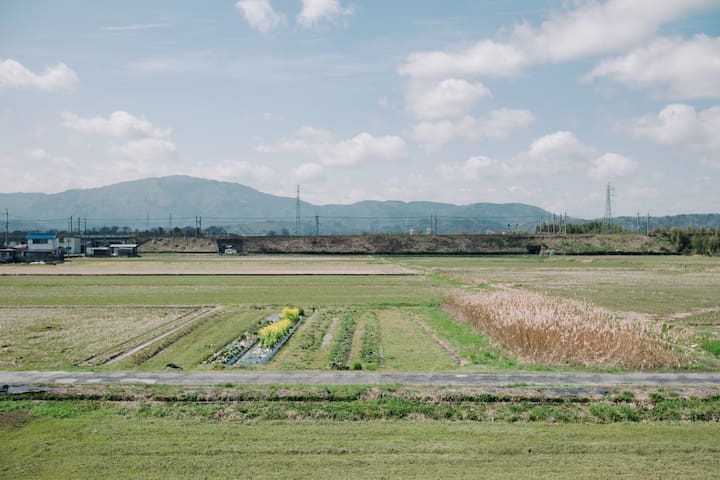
(235, 208)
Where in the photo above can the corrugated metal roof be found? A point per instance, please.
(41, 236)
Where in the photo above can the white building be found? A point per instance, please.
(42, 242)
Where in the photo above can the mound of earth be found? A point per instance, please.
(178, 244)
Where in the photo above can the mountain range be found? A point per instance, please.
(178, 201)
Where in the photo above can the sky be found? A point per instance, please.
(461, 101)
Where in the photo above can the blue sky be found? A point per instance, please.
(539, 102)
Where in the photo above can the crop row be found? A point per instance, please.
(340, 353)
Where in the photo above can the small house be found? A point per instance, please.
(41, 247)
(42, 242)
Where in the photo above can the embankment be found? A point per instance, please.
(398, 244)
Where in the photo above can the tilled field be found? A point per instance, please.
(63, 337)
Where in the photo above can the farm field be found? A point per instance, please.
(384, 323)
(375, 322)
(656, 285)
(54, 290)
(213, 264)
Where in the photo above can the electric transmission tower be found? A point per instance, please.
(608, 208)
(297, 212)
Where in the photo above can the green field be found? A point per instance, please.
(128, 442)
(49, 290)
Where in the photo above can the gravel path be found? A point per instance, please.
(357, 378)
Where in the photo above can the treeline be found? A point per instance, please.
(700, 241)
(588, 228)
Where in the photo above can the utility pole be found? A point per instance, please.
(7, 226)
(317, 225)
(297, 212)
(170, 223)
(647, 226)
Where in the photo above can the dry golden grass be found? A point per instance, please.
(553, 331)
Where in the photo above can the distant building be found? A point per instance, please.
(97, 251)
(71, 245)
(40, 247)
(7, 255)
(123, 250)
(42, 242)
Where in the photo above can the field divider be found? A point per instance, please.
(443, 344)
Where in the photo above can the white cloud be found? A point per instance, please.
(118, 124)
(383, 102)
(473, 169)
(486, 58)
(555, 153)
(555, 146)
(308, 172)
(612, 165)
(146, 149)
(681, 124)
(496, 124)
(320, 145)
(448, 97)
(260, 15)
(590, 28)
(315, 12)
(599, 27)
(14, 74)
(53, 162)
(233, 171)
(677, 68)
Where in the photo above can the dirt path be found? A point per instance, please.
(358, 378)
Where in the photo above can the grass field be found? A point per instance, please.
(53, 290)
(133, 442)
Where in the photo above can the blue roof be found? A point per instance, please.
(41, 236)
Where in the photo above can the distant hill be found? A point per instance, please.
(240, 209)
(157, 202)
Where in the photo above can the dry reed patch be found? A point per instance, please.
(553, 331)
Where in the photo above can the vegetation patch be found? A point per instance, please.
(342, 348)
(547, 330)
